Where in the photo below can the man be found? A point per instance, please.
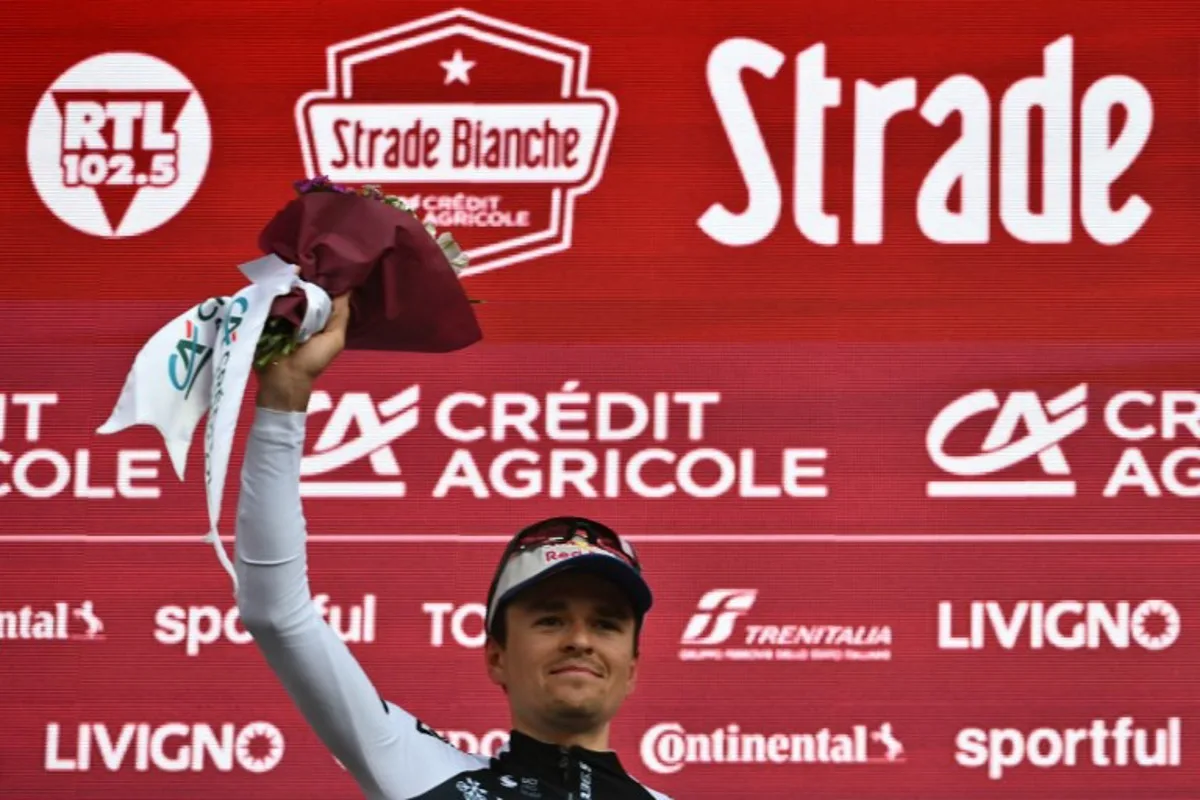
(564, 614)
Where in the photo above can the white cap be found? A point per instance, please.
(581, 545)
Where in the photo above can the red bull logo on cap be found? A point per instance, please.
(577, 547)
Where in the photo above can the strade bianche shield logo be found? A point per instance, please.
(118, 144)
(488, 128)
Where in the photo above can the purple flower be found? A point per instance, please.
(306, 186)
(321, 183)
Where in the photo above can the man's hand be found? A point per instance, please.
(286, 384)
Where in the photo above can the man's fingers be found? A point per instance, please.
(339, 318)
(340, 315)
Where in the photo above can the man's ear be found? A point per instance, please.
(497, 664)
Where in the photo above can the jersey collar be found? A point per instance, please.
(527, 750)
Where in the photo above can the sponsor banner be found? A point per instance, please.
(986, 669)
(780, 172)
(142, 747)
(695, 439)
(1090, 750)
(1003, 750)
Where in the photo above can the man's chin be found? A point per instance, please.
(578, 706)
(576, 720)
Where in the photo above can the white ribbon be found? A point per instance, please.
(199, 363)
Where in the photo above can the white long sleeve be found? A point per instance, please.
(378, 743)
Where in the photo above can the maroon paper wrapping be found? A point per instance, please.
(405, 295)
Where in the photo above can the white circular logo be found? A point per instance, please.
(118, 144)
(269, 743)
(1170, 624)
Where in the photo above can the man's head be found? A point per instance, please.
(564, 615)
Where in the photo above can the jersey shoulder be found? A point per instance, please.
(424, 739)
(430, 758)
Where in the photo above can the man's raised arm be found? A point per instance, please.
(315, 666)
(389, 753)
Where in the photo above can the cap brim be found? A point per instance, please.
(600, 565)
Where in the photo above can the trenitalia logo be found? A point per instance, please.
(716, 633)
(667, 747)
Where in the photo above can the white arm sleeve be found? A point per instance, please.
(381, 745)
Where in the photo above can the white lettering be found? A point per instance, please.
(765, 202)
(458, 617)
(199, 626)
(1104, 155)
(33, 402)
(874, 107)
(524, 411)
(1065, 625)
(1002, 749)
(653, 473)
(966, 163)
(171, 747)
(446, 408)
(606, 405)
(815, 93)
(42, 474)
(1134, 472)
(666, 748)
(558, 416)
(571, 415)
(1102, 161)
(1112, 415)
(818, 635)
(1179, 413)
(1051, 93)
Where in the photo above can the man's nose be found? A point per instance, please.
(577, 635)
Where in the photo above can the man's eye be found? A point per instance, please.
(547, 621)
(610, 624)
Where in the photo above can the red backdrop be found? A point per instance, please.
(873, 324)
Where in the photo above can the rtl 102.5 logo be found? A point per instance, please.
(118, 144)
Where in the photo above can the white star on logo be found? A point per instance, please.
(456, 68)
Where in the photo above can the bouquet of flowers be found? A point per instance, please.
(402, 273)
(405, 295)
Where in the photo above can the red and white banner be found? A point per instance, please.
(891, 670)
(873, 324)
(940, 441)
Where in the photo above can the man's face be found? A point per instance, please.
(568, 662)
